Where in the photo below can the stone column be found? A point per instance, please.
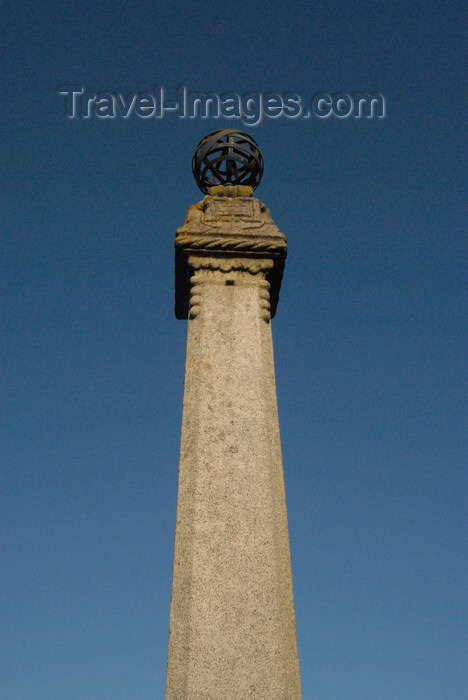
(232, 627)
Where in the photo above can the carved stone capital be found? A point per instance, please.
(250, 265)
(242, 272)
(229, 223)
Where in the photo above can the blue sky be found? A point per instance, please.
(368, 339)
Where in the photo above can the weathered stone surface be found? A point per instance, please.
(232, 627)
(227, 222)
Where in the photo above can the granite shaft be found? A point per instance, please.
(232, 625)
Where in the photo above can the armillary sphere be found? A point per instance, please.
(227, 157)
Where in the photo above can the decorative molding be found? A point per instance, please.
(265, 306)
(227, 214)
(195, 241)
(251, 265)
(234, 229)
(247, 273)
(230, 191)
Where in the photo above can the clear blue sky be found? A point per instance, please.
(368, 339)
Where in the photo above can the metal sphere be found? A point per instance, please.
(227, 157)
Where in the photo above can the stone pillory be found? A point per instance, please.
(232, 628)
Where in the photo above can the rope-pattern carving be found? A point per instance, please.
(210, 243)
(228, 230)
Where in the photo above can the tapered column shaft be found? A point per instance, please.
(232, 625)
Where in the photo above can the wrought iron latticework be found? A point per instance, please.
(227, 157)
